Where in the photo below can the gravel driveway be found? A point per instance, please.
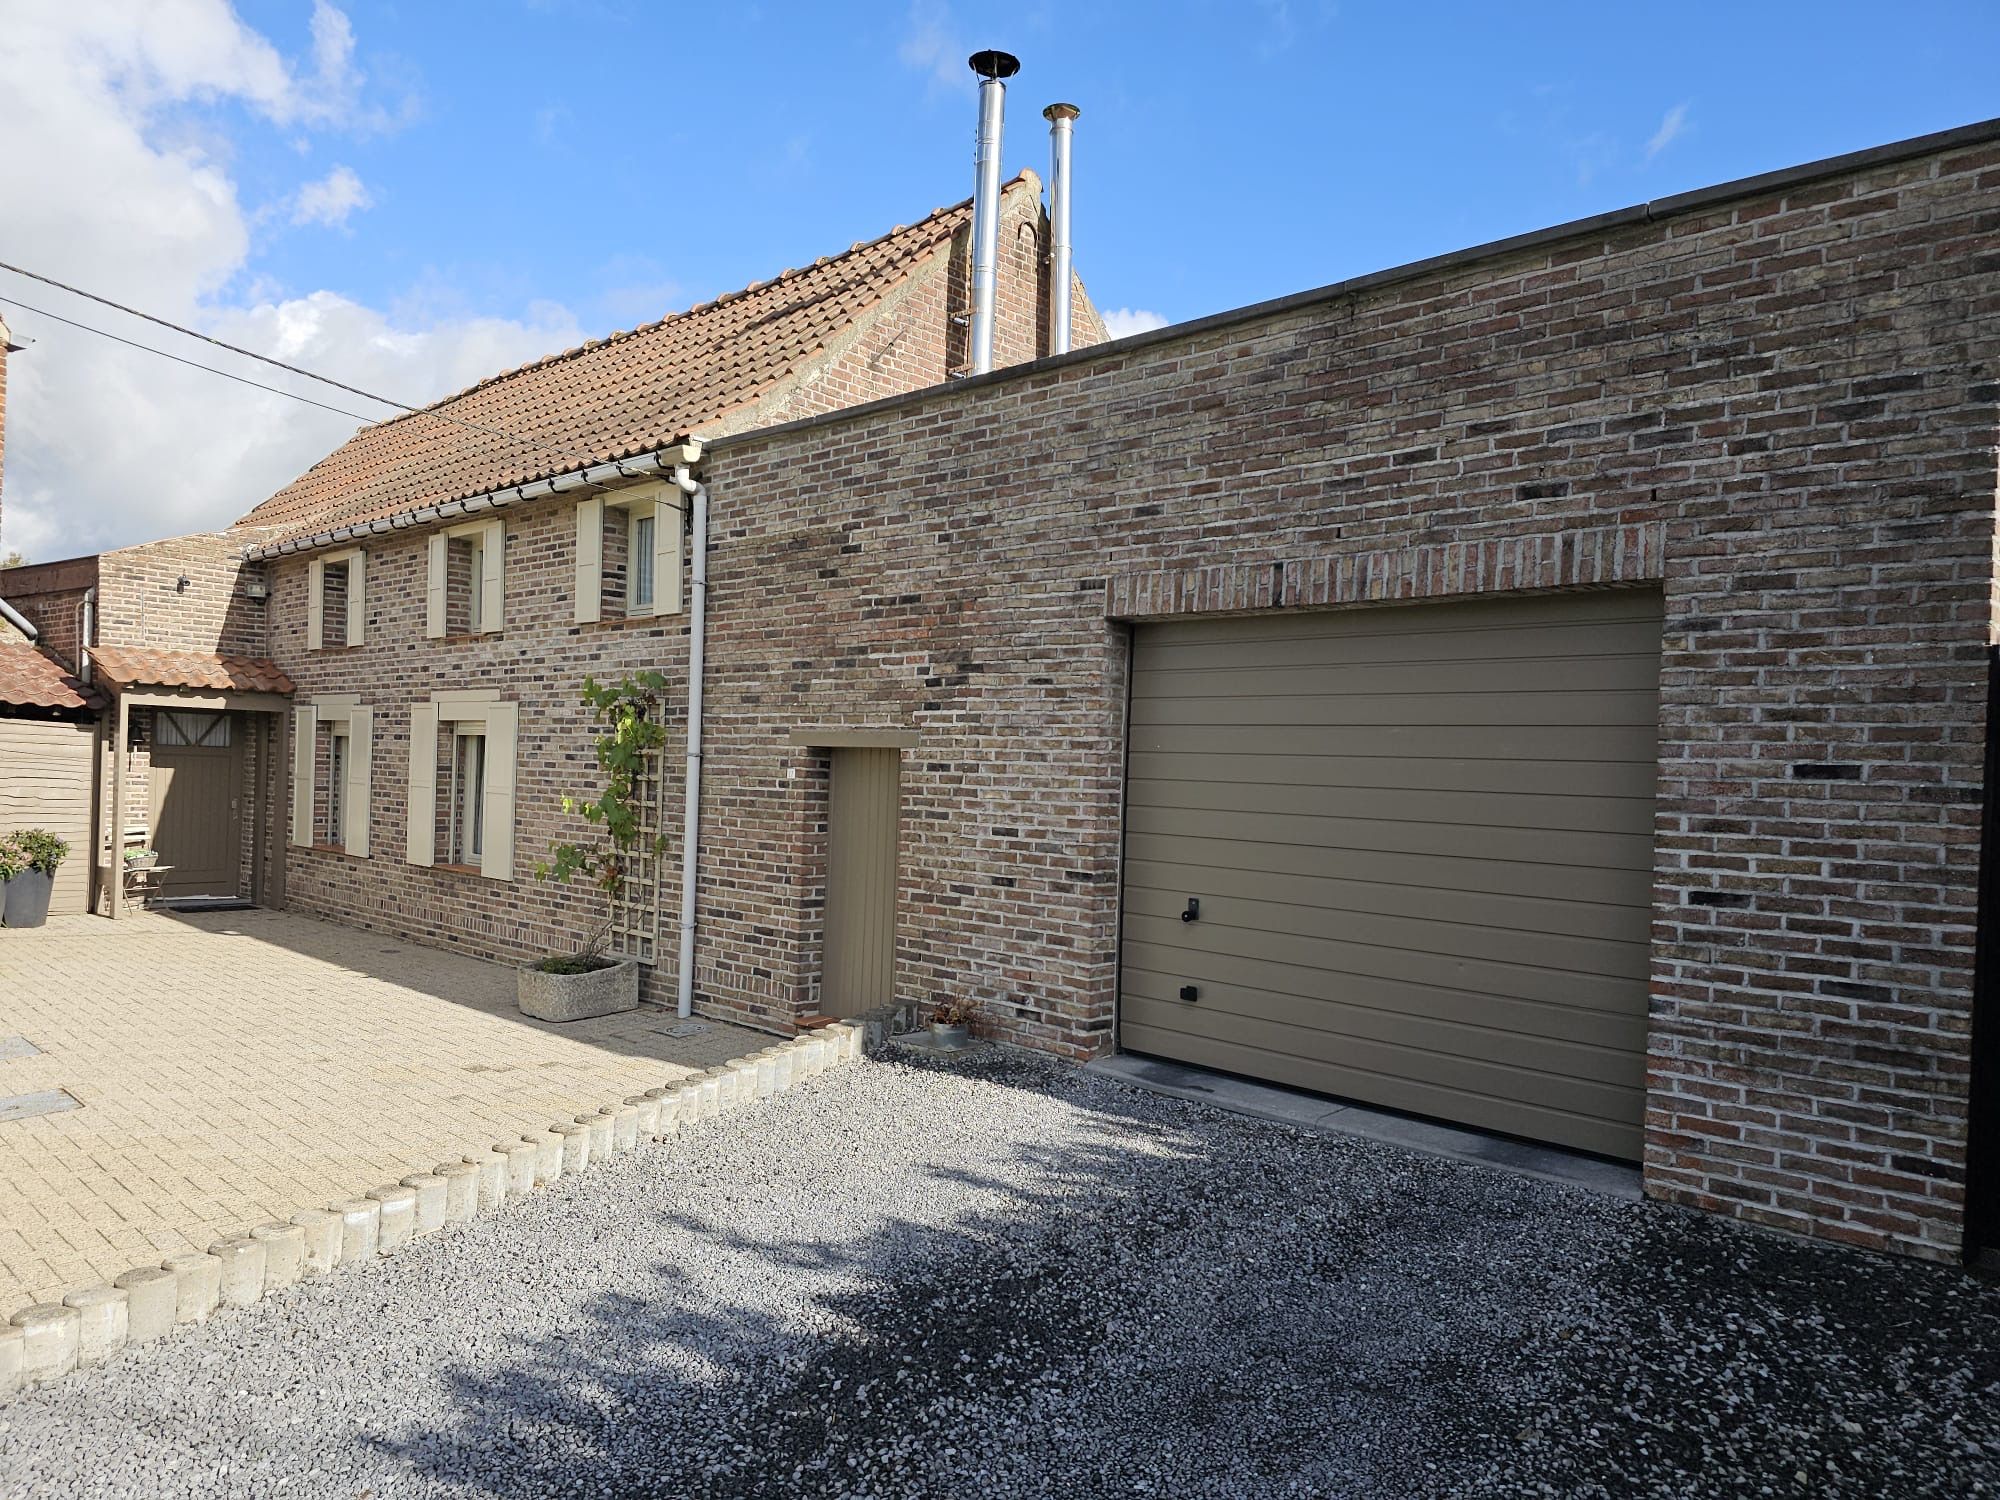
(1012, 1279)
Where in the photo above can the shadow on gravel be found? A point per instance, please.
(1169, 1301)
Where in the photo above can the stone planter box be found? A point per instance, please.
(577, 997)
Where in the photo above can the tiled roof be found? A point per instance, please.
(612, 398)
(126, 667)
(28, 679)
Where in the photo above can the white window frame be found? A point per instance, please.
(463, 840)
(664, 503)
(470, 711)
(488, 609)
(357, 598)
(355, 721)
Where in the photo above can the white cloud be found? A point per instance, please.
(933, 45)
(1123, 322)
(331, 200)
(117, 177)
(1672, 128)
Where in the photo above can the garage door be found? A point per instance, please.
(46, 775)
(1402, 855)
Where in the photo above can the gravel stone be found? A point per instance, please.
(1002, 1277)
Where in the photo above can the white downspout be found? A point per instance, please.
(697, 494)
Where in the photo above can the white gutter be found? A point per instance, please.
(19, 621)
(594, 477)
(697, 494)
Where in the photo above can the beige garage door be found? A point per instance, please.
(1420, 843)
(46, 776)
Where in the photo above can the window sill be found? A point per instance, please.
(451, 869)
(340, 849)
(628, 622)
(468, 639)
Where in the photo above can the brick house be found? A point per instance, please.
(1544, 687)
(180, 631)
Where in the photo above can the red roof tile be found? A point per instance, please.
(612, 398)
(28, 679)
(127, 667)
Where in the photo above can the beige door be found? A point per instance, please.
(197, 785)
(1420, 844)
(861, 825)
(47, 772)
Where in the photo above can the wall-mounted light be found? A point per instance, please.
(256, 588)
(181, 584)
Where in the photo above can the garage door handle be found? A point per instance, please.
(1193, 912)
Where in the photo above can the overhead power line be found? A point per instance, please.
(42, 312)
(567, 455)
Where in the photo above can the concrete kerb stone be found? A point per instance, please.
(241, 1257)
(284, 1254)
(520, 1158)
(197, 1285)
(430, 1191)
(461, 1188)
(625, 1127)
(646, 1114)
(575, 1146)
(150, 1295)
(48, 1341)
(548, 1156)
(13, 1360)
(321, 1228)
(599, 1125)
(360, 1229)
(103, 1322)
(399, 1215)
(492, 1169)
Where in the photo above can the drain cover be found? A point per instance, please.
(26, 1106)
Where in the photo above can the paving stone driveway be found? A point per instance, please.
(235, 1067)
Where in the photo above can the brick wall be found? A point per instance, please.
(1779, 410)
(141, 602)
(51, 596)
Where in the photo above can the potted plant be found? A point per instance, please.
(141, 859)
(951, 1023)
(30, 864)
(589, 982)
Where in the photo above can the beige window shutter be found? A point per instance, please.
(496, 833)
(423, 784)
(434, 587)
(360, 757)
(315, 603)
(357, 597)
(493, 580)
(303, 729)
(669, 528)
(590, 560)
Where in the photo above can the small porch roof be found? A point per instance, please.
(126, 668)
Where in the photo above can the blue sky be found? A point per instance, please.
(627, 158)
(411, 194)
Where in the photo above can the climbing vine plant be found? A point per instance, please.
(628, 714)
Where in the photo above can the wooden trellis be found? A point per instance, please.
(635, 905)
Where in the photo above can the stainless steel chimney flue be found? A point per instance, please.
(993, 68)
(1062, 255)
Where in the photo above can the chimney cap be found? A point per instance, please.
(7, 344)
(1057, 112)
(996, 65)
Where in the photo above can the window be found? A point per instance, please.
(185, 727)
(461, 800)
(628, 554)
(639, 564)
(467, 583)
(336, 600)
(335, 832)
(467, 798)
(332, 755)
